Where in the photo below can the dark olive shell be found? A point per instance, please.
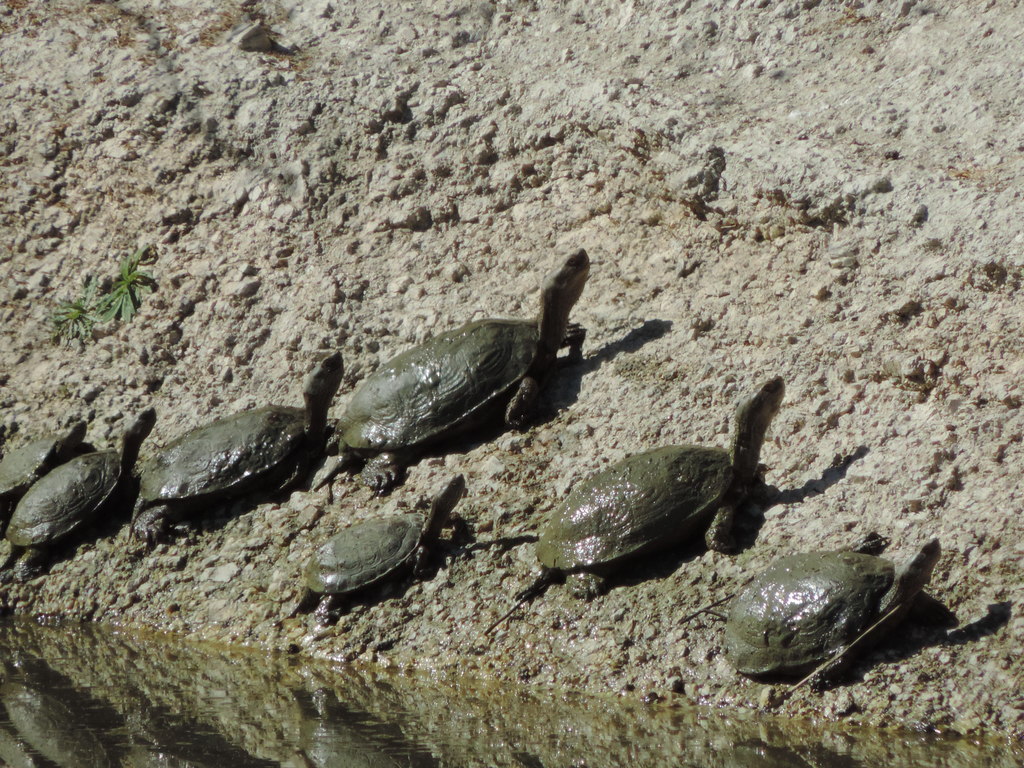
(64, 499)
(364, 553)
(643, 503)
(803, 609)
(440, 386)
(21, 466)
(225, 457)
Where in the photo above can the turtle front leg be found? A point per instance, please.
(383, 472)
(329, 610)
(151, 525)
(521, 406)
(27, 563)
(575, 335)
(586, 585)
(719, 535)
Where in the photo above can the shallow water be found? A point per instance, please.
(87, 696)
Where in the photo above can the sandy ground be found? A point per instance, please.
(822, 191)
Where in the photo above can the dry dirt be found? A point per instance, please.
(830, 192)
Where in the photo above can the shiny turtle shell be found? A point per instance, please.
(803, 609)
(227, 457)
(364, 554)
(440, 386)
(643, 503)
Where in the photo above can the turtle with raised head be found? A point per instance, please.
(71, 496)
(652, 501)
(372, 551)
(24, 465)
(811, 611)
(483, 371)
(266, 449)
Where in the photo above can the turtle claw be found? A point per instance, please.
(382, 473)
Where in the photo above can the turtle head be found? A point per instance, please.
(137, 431)
(319, 389)
(73, 436)
(917, 572)
(753, 416)
(561, 290)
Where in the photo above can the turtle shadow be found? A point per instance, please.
(996, 617)
(836, 472)
(929, 628)
(750, 518)
(658, 565)
(565, 390)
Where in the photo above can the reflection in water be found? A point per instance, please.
(84, 696)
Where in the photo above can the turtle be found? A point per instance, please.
(374, 550)
(23, 466)
(806, 612)
(652, 501)
(459, 380)
(264, 449)
(70, 496)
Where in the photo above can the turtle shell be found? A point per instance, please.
(22, 466)
(438, 387)
(803, 609)
(64, 499)
(228, 456)
(643, 503)
(364, 553)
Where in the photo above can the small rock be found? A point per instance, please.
(224, 573)
(251, 37)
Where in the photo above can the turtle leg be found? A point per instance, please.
(331, 466)
(7, 571)
(575, 335)
(152, 524)
(521, 405)
(586, 585)
(329, 610)
(30, 562)
(719, 535)
(382, 473)
(421, 562)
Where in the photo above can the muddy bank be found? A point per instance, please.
(821, 192)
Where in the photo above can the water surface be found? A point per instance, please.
(87, 696)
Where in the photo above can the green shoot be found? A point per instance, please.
(131, 285)
(73, 320)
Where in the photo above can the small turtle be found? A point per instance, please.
(265, 449)
(652, 501)
(371, 551)
(70, 496)
(810, 608)
(459, 380)
(23, 466)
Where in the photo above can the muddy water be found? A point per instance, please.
(93, 697)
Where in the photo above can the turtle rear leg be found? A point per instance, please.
(383, 472)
